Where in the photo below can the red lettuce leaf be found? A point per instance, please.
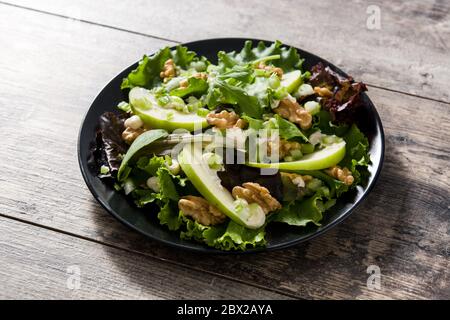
(109, 147)
(346, 99)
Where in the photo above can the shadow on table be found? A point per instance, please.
(369, 236)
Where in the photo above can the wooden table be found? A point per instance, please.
(55, 56)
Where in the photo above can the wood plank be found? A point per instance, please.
(40, 264)
(410, 52)
(403, 227)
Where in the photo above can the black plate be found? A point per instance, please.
(278, 235)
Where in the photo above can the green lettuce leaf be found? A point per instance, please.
(289, 58)
(183, 57)
(169, 216)
(287, 129)
(235, 237)
(195, 86)
(357, 156)
(147, 73)
(240, 73)
(227, 236)
(261, 89)
(255, 124)
(169, 183)
(323, 121)
(168, 189)
(300, 213)
(150, 165)
(337, 188)
(141, 142)
(142, 197)
(221, 92)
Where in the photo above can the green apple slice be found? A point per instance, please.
(144, 104)
(291, 80)
(208, 184)
(318, 160)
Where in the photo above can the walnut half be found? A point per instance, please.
(200, 210)
(225, 120)
(292, 111)
(255, 193)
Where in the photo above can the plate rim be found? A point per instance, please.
(205, 249)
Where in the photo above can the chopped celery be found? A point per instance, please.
(296, 154)
(313, 107)
(274, 81)
(314, 184)
(104, 170)
(307, 148)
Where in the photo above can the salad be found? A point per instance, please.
(223, 150)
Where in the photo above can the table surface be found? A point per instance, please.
(57, 242)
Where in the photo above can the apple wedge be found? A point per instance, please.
(318, 160)
(144, 104)
(208, 184)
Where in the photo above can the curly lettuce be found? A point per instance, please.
(228, 236)
(146, 74)
(300, 213)
(357, 156)
(287, 58)
(222, 92)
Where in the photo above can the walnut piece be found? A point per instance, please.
(201, 210)
(225, 120)
(130, 134)
(342, 174)
(297, 179)
(323, 92)
(184, 84)
(201, 75)
(276, 70)
(255, 193)
(169, 70)
(292, 111)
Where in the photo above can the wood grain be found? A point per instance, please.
(410, 52)
(37, 263)
(52, 68)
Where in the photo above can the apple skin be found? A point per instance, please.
(317, 160)
(144, 104)
(291, 80)
(208, 184)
